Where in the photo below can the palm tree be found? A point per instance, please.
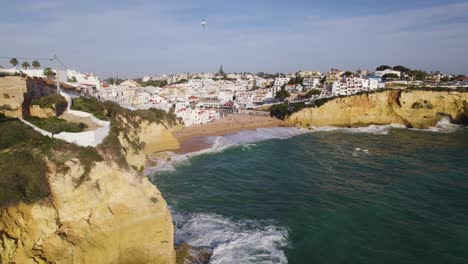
(25, 65)
(14, 62)
(36, 64)
(48, 72)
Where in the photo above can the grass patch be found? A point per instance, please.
(56, 125)
(90, 105)
(23, 169)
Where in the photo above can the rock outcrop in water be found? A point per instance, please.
(412, 108)
(81, 205)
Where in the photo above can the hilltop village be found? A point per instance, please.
(199, 98)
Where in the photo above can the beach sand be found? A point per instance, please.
(194, 138)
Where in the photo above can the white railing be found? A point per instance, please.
(85, 139)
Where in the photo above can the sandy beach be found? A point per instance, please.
(193, 138)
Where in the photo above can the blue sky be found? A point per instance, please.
(135, 38)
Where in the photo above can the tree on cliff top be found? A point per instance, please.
(401, 69)
(390, 76)
(36, 64)
(48, 72)
(14, 62)
(383, 68)
(282, 94)
(25, 65)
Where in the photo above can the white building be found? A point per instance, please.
(309, 74)
(351, 85)
(280, 81)
(311, 82)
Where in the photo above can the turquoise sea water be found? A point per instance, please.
(373, 195)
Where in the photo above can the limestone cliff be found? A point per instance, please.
(412, 108)
(12, 91)
(116, 216)
(93, 205)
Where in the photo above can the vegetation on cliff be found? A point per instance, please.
(56, 125)
(124, 123)
(24, 153)
(23, 156)
(50, 101)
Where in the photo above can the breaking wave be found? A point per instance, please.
(243, 138)
(232, 241)
(247, 138)
(443, 126)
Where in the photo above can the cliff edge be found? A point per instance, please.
(412, 108)
(60, 203)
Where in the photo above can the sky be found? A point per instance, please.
(144, 37)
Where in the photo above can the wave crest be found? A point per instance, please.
(243, 241)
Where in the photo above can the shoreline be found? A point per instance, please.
(195, 137)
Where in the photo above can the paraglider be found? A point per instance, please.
(203, 23)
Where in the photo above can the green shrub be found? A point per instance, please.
(23, 169)
(90, 105)
(56, 125)
(88, 156)
(280, 111)
(50, 101)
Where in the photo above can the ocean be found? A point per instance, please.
(381, 194)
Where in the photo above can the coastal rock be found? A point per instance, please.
(116, 216)
(36, 110)
(158, 138)
(96, 210)
(412, 108)
(187, 254)
(153, 138)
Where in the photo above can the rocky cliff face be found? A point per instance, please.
(155, 138)
(412, 108)
(99, 213)
(116, 216)
(12, 91)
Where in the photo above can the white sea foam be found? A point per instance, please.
(249, 137)
(244, 138)
(372, 129)
(443, 126)
(242, 241)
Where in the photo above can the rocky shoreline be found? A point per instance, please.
(411, 108)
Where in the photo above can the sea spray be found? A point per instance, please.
(232, 241)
